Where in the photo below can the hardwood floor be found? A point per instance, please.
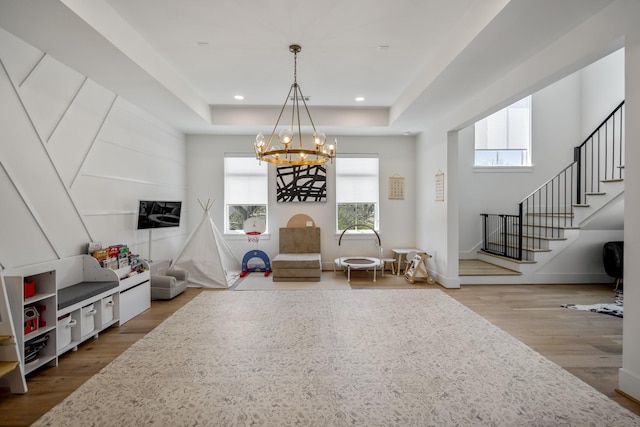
(589, 345)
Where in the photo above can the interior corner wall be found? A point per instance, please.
(555, 117)
(433, 217)
(75, 158)
(205, 156)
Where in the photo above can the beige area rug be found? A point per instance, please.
(327, 358)
(257, 282)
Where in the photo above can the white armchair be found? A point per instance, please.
(167, 283)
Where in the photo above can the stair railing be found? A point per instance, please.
(549, 209)
(601, 156)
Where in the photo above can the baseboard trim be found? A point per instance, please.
(629, 385)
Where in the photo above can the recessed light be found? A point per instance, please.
(407, 133)
(203, 44)
(359, 98)
(239, 97)
(383, 47)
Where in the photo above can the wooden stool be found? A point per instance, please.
(392, 262)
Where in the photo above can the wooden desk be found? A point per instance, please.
(398, 253)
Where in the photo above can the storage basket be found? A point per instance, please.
(65, 324)
(88, 319)
(107, 309)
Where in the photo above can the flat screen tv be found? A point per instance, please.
(158, 214)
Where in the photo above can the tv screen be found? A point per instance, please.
(158, 214)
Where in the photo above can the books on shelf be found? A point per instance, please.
(115, 257)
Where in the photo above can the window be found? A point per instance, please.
(357, 193)
(504, 138)
(245, 191)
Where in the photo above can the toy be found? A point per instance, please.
(253, 228)
(31, 319)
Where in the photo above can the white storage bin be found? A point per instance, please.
(65, 323)
(88, 321)
(107, 309)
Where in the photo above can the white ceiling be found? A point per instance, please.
(185, 60)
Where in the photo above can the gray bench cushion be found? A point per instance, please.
(81, 291)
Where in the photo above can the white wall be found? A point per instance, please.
(602, 90)
(559, 113)
(205, 178)
(75, 159)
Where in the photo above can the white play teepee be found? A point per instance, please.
(207, 257)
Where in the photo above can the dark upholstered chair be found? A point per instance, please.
(613, 257)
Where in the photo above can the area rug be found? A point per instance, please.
(614, 309)
(333, 358)
(257, 282)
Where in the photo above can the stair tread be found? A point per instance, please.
(560, 227)
(534, 236)
(7, 367)
(517, 261)
(524, 248)
(5, 337)
(613, 180)
(551, 214)
(477, 267)
(595, 193)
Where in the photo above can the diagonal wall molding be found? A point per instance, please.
(52, 164)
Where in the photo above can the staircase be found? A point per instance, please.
(11, 371)
(549, 220)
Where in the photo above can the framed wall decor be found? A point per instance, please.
(439, 186)
(301, 183)
(396, 187)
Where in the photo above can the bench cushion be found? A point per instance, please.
(81, 291)
(296, 261)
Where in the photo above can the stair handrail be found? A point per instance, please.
(548, 181)
(604, 122)
(578, 157)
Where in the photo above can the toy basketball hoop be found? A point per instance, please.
(253, 238)
(253, 228)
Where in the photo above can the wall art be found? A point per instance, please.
(302, 183)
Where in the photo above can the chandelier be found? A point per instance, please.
(292, 152)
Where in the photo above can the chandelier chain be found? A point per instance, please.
(295, 68)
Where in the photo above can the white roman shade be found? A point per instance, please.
(245, 181)
(357, 180)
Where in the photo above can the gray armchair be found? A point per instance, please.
(167, 283)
